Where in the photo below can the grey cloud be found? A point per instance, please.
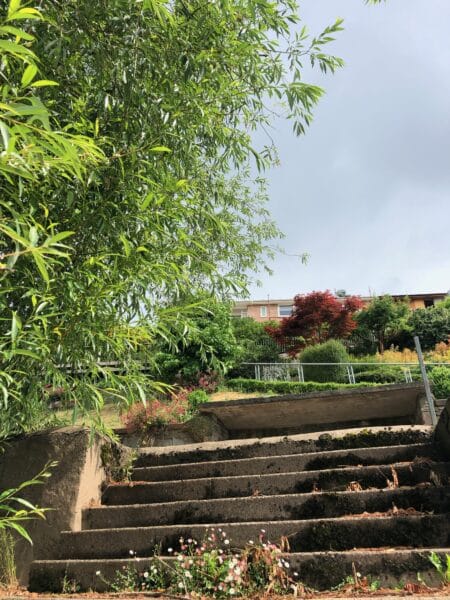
(367, 191)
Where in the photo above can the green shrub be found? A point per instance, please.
(195, 398)
(440, 377)
(379, 374)
(289, 387)
(332, 351)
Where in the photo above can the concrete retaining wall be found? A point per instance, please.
(321, 411)
(74, 484)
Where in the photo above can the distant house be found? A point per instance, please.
(275, 310)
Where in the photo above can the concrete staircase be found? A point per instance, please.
(378, 500)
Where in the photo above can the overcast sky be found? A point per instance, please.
(366, 191)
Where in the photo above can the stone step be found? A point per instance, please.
(261, 508)
(283, 445)
(285, 463)
(409, 474)
(319, 570)
(304, 536)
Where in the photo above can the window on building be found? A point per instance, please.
(284, 311)
(243, 313)
(429, 303)
(263, 311)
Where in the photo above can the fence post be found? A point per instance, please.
(301, 374)
(348, 374)
(352, 374)
(426, 383)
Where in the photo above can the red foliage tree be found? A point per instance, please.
(318, 317)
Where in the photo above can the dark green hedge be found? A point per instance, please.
(288, 387)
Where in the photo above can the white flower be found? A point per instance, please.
(98, 572)
(180, 585)
(131, 552)
(231, 591)
(251, 542)
(169, 550)
(237, 570)
(263, 531)
(146, 574)
(226, 542)
(188, 575)
(295, 574)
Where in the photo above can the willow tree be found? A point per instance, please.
(172, 93)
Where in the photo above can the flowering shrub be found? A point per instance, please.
(176, 408)
(212, 568)
(157, 412)
(209, 381)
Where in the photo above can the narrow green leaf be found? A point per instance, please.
(28, 75)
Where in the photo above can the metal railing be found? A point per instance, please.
(271, 371)
(267, 371)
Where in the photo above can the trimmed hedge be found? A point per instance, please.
(289, 387)
(332, 351)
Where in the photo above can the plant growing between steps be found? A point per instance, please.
(441, 566)
(14, 512)
(213, 568)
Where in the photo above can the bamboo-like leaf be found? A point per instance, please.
(29, 74)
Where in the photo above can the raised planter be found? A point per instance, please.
(202, 428)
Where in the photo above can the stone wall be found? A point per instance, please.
(75, 483)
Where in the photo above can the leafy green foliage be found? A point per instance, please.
(255, 345)
(332, 351)
(171, 93)
(379, 374)
(441, 566)
(208, 346)
(431, 324)
(288, 387)
(36, 156)
(383, 318)
(195, 398)
(15, 510)
(440, 377)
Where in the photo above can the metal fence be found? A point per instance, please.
(412, 371)
(295, 371)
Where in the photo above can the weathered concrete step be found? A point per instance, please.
(260, 508)
(391, 567)
(320, 570)
(285, 463)
(282, 445)
(315, 534)
(409, 474)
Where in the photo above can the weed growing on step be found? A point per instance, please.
(441, 566)
(358, 582)
(212, 568)
(69, 586)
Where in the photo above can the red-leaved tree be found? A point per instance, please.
(317, 317)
